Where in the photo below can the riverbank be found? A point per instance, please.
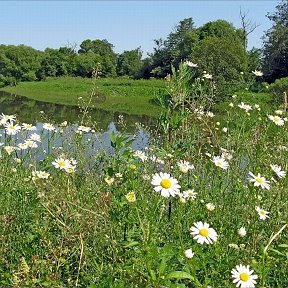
(121, 95)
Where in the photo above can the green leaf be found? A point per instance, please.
(179, 275)
(283, 245)
(131, 244)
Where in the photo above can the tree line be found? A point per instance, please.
(217, 47)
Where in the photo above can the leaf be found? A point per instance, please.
(131, 244)
(179, 275)
(283, 245)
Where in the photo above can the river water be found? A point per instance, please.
(37, 112)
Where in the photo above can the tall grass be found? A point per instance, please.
(79, 229)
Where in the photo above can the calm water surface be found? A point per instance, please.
(31, 111)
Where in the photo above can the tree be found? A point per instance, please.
(176, 48)
(275, 52)
(103, 50)
(129, 63)
(220, 52)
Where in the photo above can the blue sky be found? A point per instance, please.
(125, 24)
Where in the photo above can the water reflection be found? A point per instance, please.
(30, 111)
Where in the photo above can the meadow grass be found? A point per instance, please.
(120, 94)
(96, 221)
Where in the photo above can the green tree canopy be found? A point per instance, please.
(275, 52)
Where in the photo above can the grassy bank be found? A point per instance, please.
(81, 217)
(122, 95)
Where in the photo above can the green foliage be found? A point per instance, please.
(129, 63)
(275, 52)
(18, 63)
(278, 87)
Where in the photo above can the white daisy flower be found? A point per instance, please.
(184, 166)
(11, 128)
(203, 233)
(191, 64)
(141, 155)
(277, 169)
(207, 76)
(35, 137)
(220, 162)
(243, 277)
(30, 143)
(279, 112)
(257, 73)
(263, 215)
(210, 206)
(189, 253)
(189, 194)
(84, 129)
(5, 118)
(40, 174)
(242, 232)
(165, 184)
(246, 107)
(61, 163)
(49, 127)
(259, 181)
(28, 127)
(10, 149)
(277, 120)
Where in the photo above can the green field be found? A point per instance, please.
(121, 95)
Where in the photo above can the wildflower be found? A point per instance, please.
(184, 166)
(234, 246)
(40, 174)
(242, 232)
(189, 194)
(10, 149)
(5, 118)
(278, 171)
(30, 144)
(277, 120)
(257, 73)
(191, 64)
(210, 206)
(64, 124)
(243, 277)
(28, 127)
(189, 253)
(141, 155)
(61, 163)
(11, 128)
(207, 76)
(48, 126)
(220, 162)
(210, 114)
(279, 112)
(263, 215)
(109, 180)
(131, 197)
(259, 181)
(231, 104)
(225, 129)
(165, 184)
(23, 146)
(84, 129)
(202, 233)
(246, 107)
(35, 137)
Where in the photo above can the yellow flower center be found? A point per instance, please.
(276, 119)
(219, 163)
(262, 212)
(204, 232)
(244, 276)
(259, 180)
(166, 183)
(61, 163)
